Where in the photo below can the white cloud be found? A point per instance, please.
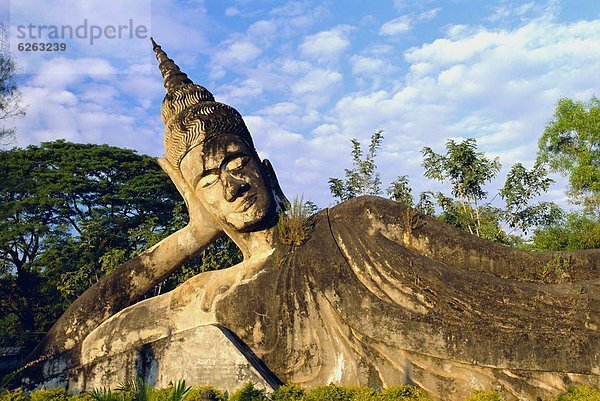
(291, 115)
(297, 15)
(498, 86)
(60, 71)
(508, 10)
(238, 52)
(396, 26)
(283, 108)
(262, 29)
(400, 4)
(429, 14)
(454, 31)
(240, 93)
(274, 142)
(368, 65)
(316, 81)
(291, 9)
(326, 130)
(326, 45)
(447, 51)
(293, 66)
(232, 12)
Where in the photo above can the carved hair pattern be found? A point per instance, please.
(198, 123)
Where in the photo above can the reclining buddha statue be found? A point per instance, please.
(377, 295)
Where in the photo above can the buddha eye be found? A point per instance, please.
(208, 180)
(237, 163)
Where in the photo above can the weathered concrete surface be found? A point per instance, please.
(379, 297)
(365, 305)
(122, 288)
(202, 355)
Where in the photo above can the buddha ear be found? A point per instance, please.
(282, 202)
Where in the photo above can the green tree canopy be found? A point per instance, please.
(570, 145)
(71, 213)
(467, 171)
(573, 231)
(520, 188)
(362, 178)
(64, 208)
(400, 191)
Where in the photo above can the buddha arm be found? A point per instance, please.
(123, 287)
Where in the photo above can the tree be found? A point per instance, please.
(69, 214)
(362, 178)
(570, 145)
(426, 204)
(9, 95)
(485, 223)
(520, 187)
(467, 171)
(400, 191)
(572, 231)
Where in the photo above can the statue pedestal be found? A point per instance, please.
(209, 355)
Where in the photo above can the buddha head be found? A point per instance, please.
(209, 143)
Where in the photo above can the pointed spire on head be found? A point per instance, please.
(191, 114)
(171, 73)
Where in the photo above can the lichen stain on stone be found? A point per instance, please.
(338, 370)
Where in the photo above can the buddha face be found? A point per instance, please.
(231, 182)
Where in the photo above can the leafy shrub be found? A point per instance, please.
(406, 392)
(205, 393)
(137, 390)
(163, 394)
(81, 397)
(580, 393)
(574, 231)
(485, 396)
(329, 393)
(55, 394)
(249, 393)
(179, 391)
(364, 394)
(16, 395)
(106, 394)
(142, 391)
(288, 392)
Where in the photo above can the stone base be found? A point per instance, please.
(205, 355)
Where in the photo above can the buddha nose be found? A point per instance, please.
(234, 188)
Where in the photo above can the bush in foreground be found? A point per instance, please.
(485, 396)
(580, 393)
(249, 392)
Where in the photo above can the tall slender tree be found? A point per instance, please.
(467, 171)
(362, 178)
(10, 106)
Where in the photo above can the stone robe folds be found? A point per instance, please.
(377, 296)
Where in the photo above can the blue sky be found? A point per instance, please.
(308, 76)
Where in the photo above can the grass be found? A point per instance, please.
(294, 225)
